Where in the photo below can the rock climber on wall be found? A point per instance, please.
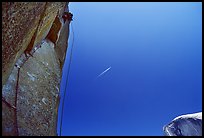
(67, 16)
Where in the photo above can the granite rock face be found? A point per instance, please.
(185, 125)
(31, 66)
(20, 21)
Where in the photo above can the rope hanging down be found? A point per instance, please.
(8, 104)
(16, 98)
(16, 93)
(66, 83)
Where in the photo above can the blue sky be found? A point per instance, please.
(154, 51)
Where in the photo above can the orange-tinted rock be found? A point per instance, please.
(61, 44)
(54, 31)
(19, 23)
(25, 27)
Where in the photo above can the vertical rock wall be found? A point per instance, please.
(30, 82)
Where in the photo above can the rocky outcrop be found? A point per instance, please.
(34, 43)
(185, 125)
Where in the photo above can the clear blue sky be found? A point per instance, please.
(154, 51)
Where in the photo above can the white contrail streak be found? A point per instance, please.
(104, 72)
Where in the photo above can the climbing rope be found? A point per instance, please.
(8, 104)
(17, 89)
(18, 74)
(16, 94)
(16, 97)
(66, 83)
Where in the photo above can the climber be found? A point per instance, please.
(67, 16)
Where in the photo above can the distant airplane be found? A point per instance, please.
(103, 72)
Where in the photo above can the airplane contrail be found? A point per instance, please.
(104, 72)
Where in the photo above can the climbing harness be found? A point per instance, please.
(66, 83)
